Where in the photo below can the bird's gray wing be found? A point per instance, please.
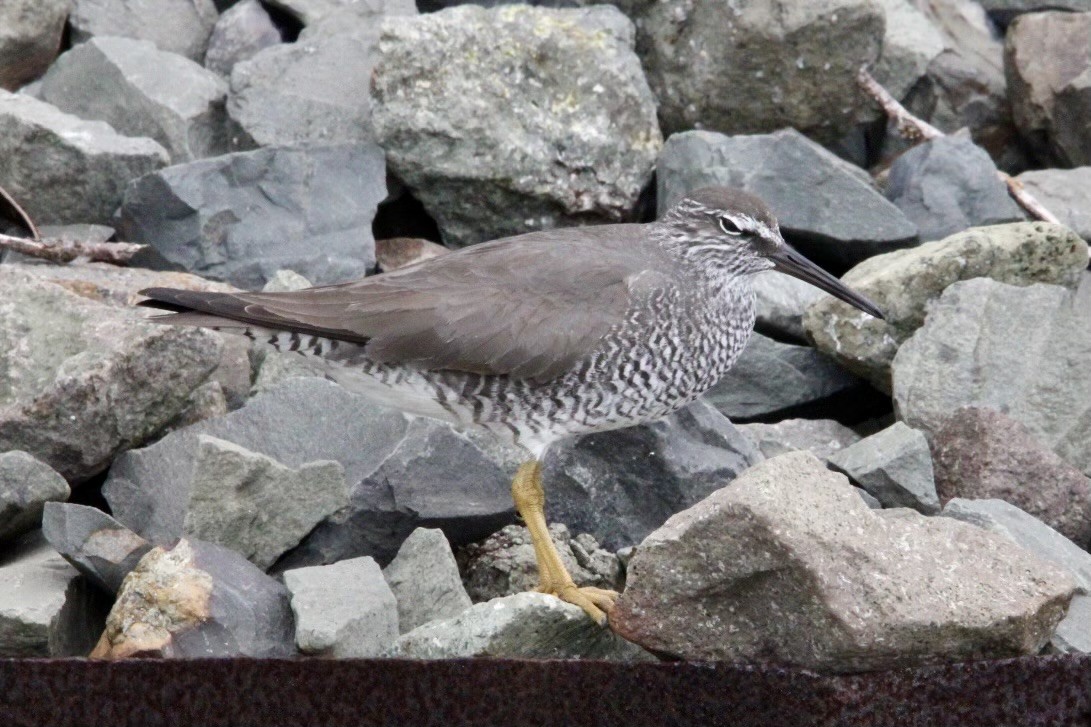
(529, 307)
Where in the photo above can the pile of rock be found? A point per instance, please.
(855, 494)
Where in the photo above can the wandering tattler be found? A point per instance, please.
(539, 336)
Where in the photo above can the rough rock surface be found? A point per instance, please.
(826, 207)
(1064, 192)
(910, 43)
(343, 610)
(904, 283)
(25, 486)
(894, 466)
(96, 545)
(788, 564)
(240, 33)
(517, 118)
(30, 35)
(242, 217)
(176, 26)
(820, 437)
(425, 580)
(80, 167)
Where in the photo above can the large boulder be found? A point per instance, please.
(1064, 192)
(26, 485)
(95, 544)
(30, 36)
(176, 26)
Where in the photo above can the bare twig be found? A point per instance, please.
(63, 251)
(914, 129)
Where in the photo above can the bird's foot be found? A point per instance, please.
(596, 602)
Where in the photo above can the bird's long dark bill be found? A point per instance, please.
(788, 260)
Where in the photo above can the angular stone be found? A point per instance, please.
(1006, 348)
(910, 43)
(980, 453)
(826, 207)
(310, 12)
(95, 544)
(197, 600)
(80, 167)
(181, 105)
(947, 185)
(1064, 192)
(788, 565)
(772, 378)
(284, 281)
(1073, 634)
(505, 563)
(242, 31)
(176, 26)
(81, 381)
(30, 35)
(781, 301)
(820, 437)
(620, 485)
(26, 485)
(1004, 11)
(523, 626)
(205, 402)
(343, 610)
(425, 580)
(308, 209)
(905, 283)
(517, 118)
(894, 466)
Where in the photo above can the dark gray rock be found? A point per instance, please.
(781, 301)
(910, 43)
(826, 207)
(820, 437)
(310, 12)
(425, 580)
(30, 35)
(515, 119)
(242, 217)
(96, 545)
(1073, 634)
(176, 26)
(181, 105)
(619, 486)
(1064, 192)
(26, 485)
(1004, 11)
(239, 34)
(894, 466)
(80, 167)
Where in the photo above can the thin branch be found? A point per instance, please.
(63, 251)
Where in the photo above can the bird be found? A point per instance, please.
(540, 336)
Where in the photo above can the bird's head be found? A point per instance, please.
(735, 231)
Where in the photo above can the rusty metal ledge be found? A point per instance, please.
(500, 693)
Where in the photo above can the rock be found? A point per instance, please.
(515, 119)
(981, 454)
(239, 34)
(1004, 11)
(271, 208)
(181, 105)
(820, 437)
(425, 580)
(197, 600)
(826, 207)
(80, 167)
(344, 610)
(701, 59)
(95, 544)
(905, 282)
(910, 43)
(399, 252)
(894, 466)
(30, 35)
(25, 486)
(46, 609)
(947, 185)
(310, 12)
(205, 402)
(789, 565)
(1064, 192)
(781, 301)
(284, 281)
(392, 464)
(176, 26)
(619, 486)
(523, 626)
(1073, 634)
(1047, 57)
(772, 378)
(81, 381)
(505, 564)
(1006, 348)
(79, 233)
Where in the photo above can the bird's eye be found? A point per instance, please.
(728, 225)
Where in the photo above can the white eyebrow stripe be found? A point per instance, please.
(746, 222)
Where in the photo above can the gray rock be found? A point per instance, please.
(505, 563)
(25, 486)
(772, 378)
(523, 626)
(910, 43)
(701, 59)
(30, 35)
(895, 466)
(96, 545)
(619, 486)
(1064, 192)
(310, 12)
(781, 301)
(197, 600)
(180, 105)
(905, 282)
(820, 437)
(789, 565)
(425, 580)
(284, 281)
(176, 26)
(80, 167)
(205, 402)
(947, 185)
(1004, 11)
(826, 207)
(1012, 349)
(307, 209)
(1073, 634)
(517, 118)
(239, 34)
(78, 233)
(81, 381)
(343, 610)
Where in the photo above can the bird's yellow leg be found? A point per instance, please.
(526, 490)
